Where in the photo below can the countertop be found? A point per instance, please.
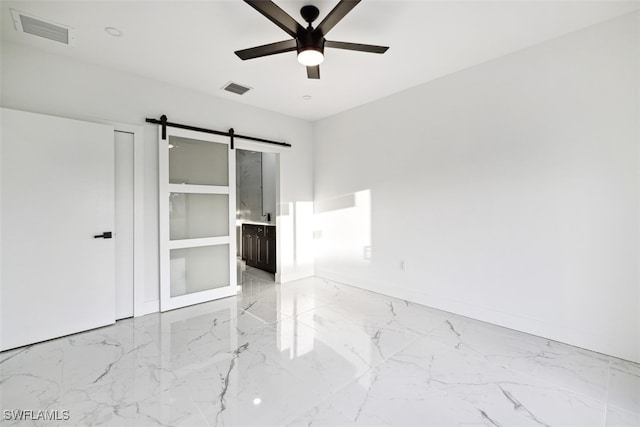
(254, 223)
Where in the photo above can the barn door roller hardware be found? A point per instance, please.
(230, 133)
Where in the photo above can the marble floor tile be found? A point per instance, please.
(437, 385)
(562, 365)
(617, 417)
(315, 352)
(624, 386)
(369, 339)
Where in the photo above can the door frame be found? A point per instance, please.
(277, 150)
(140, 306)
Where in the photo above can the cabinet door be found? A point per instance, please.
(245, 243)
(271, 254)
(270, 249)
(260, 247)
(248, 242)
(251, 250)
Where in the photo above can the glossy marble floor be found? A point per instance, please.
(316, 353)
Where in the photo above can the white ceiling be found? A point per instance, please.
(191, 44)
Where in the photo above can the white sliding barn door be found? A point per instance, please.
(56, 194)
(197, 218)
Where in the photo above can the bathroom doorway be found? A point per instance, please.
(257, 181)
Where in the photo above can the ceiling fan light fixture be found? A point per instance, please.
(309, 42)
(310, 57)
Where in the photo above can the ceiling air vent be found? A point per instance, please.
(39, 27)
(236, 88)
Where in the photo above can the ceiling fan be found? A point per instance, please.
(308, 42)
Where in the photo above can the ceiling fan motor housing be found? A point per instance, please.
(310, 40)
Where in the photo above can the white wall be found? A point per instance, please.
(509, 191)
(36, 81)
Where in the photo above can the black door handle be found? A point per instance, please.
(105, 235)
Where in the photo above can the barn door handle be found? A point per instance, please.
(105, 235)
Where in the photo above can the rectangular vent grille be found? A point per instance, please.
(41, 28)
(236, 88)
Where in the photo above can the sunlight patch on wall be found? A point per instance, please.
(295, 222)
(343, 230)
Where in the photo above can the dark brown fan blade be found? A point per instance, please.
(356, 46)
(278, 16)
(335, 16)
(267, 49)
(313, 72)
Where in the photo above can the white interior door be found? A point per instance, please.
(197, 218)
(56, 194)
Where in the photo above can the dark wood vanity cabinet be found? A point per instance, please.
(259, 246)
